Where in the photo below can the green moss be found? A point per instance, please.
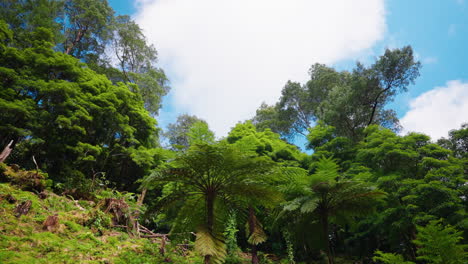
(72, 226)
(26, 180)
(23, 240)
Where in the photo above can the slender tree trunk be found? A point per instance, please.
(324, 222)
(251, 230)
(412, 247)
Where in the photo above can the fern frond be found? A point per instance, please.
(258, 235)
(208, 244)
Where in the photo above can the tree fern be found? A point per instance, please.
(214, 178)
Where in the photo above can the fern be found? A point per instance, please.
(208, 244)
(389, 258)
(258, 235)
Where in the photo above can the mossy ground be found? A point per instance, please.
(83, 235)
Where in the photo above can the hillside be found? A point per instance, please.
(83, 232)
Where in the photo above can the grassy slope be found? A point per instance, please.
(83, 234)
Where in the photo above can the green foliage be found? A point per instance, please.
(199, 133)
(289, 247)
(98, 219)
(87, 28)
(424, 182)
(457, 141)
(213, 178)
(26, 180)
(389, 258)
(73, 120)
(230, 235)
(137, 61)
(89, 123)
(246, 138)
(330, 198)
(24, 17)
(440, 244)
(178, 133)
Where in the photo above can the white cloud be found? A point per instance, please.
(452, 30)
(438, 111)
(225, 57)
(426, 60)
(429, 60)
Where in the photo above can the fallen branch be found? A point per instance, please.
(153, 236)
(185, 245)
(78, 205)
(146, 230)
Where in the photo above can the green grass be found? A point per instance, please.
(83, 236)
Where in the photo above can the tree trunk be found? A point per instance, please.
(78, 37)
(251, 230)
(210, 198)
(324, 222)
(412, 247)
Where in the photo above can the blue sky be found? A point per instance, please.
(436, 29)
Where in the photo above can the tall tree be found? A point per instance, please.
(178, 133)
(299, 105)
(137, 62)
(75, 122)
(349, 101)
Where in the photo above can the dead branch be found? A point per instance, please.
(154, 236)
(35, 163)
(6, 152)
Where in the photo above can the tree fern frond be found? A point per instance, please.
(258, 235)
(309, 205)
(208, 244)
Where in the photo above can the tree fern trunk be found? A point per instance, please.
(207, 259)
(210, 197)
(324, 222)
(251, 230)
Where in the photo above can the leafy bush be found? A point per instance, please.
(99, 220)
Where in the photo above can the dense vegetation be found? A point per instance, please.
(80, 92)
